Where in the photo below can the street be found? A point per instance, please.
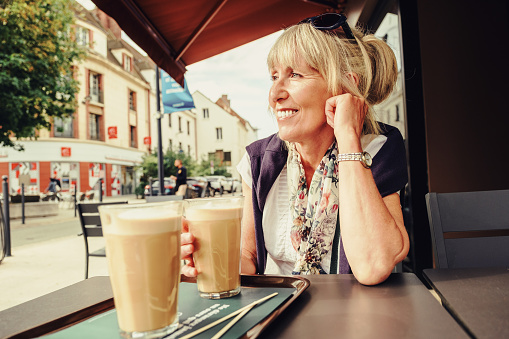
(29, 233)
(47, 254)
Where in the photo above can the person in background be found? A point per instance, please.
(181, 178)
(322, 195)
(54, 187)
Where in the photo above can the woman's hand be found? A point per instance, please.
(186, 250)
(345, 113)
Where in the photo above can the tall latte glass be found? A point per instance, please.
(143, 253)
(215, 224)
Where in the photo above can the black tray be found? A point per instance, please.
(89, 298)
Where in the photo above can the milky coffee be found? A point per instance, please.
(217, 249)
(143, 251)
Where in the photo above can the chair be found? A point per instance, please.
(469, 229)
(91, 227)
(159, 198)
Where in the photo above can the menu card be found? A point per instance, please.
(195, 312)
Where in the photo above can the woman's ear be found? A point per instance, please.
(354, 78)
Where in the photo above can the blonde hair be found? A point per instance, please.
(336, 58)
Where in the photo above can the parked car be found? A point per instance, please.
(168, 187)
(237, 185)
(218, 183)
(199, 187)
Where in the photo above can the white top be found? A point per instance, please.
(276, 219)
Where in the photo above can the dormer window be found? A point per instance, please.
(82, 36)
(127, 62)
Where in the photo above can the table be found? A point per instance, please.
(333, 306)
(478, 298)
(337, 306)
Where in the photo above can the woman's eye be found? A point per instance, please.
(273, 77)
(295, 75)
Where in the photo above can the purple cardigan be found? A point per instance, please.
(268, 157)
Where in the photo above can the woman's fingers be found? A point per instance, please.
(186, 253)
(185, 225)
(346, 111)
(186, 246)
(189, 271)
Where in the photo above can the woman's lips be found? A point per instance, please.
(285, 113)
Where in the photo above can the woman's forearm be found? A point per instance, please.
(372, 229)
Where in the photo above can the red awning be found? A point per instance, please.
(178, 33)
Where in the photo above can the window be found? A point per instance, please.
(227, 158)
(169, 120)
(180, 147)
(82, 36)
(132, 100)
(219, 133)
(189, 150)
(133, 136)
(94, 126)
(63, 127)
(397, 113)
(205, 113)
(188, 128)
(96, 94)
(180, 124)
(171, 145)
(127, 62)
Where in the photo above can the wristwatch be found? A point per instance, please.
(364, 158)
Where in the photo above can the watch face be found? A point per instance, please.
(366, 159)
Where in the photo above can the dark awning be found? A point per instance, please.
(178, 33)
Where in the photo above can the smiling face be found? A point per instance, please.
(297, 98)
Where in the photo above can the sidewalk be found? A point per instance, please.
(43, 267)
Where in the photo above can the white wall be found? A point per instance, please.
(236, 136)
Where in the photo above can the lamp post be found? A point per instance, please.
(160, 165)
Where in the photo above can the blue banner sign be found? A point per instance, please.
(175, 98)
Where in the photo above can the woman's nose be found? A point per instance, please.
(278, 91)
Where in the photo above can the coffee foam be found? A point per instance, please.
(213, 212)
(143, 221)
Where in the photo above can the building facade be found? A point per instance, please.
(178, 132)
(115, 124)
(222, 133)
(108, 134)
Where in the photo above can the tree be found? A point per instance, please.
(37, 54)
(203, 168)
(149, 164)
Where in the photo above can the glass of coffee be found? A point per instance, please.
(216, 225)
(143, 254)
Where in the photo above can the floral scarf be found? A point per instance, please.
(314, 211)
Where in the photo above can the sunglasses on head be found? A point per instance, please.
(330, 22)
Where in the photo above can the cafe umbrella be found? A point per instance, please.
(175, 34)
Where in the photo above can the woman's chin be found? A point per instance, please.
(284, 135)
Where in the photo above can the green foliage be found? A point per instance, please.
(149, 166)
(203, 169)
(140, 190)
(37, 53)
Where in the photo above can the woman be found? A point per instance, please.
(340, 170)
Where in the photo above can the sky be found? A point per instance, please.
(241, 74)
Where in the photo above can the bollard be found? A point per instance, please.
(100, 189)
(7, 220)
(23, 204)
